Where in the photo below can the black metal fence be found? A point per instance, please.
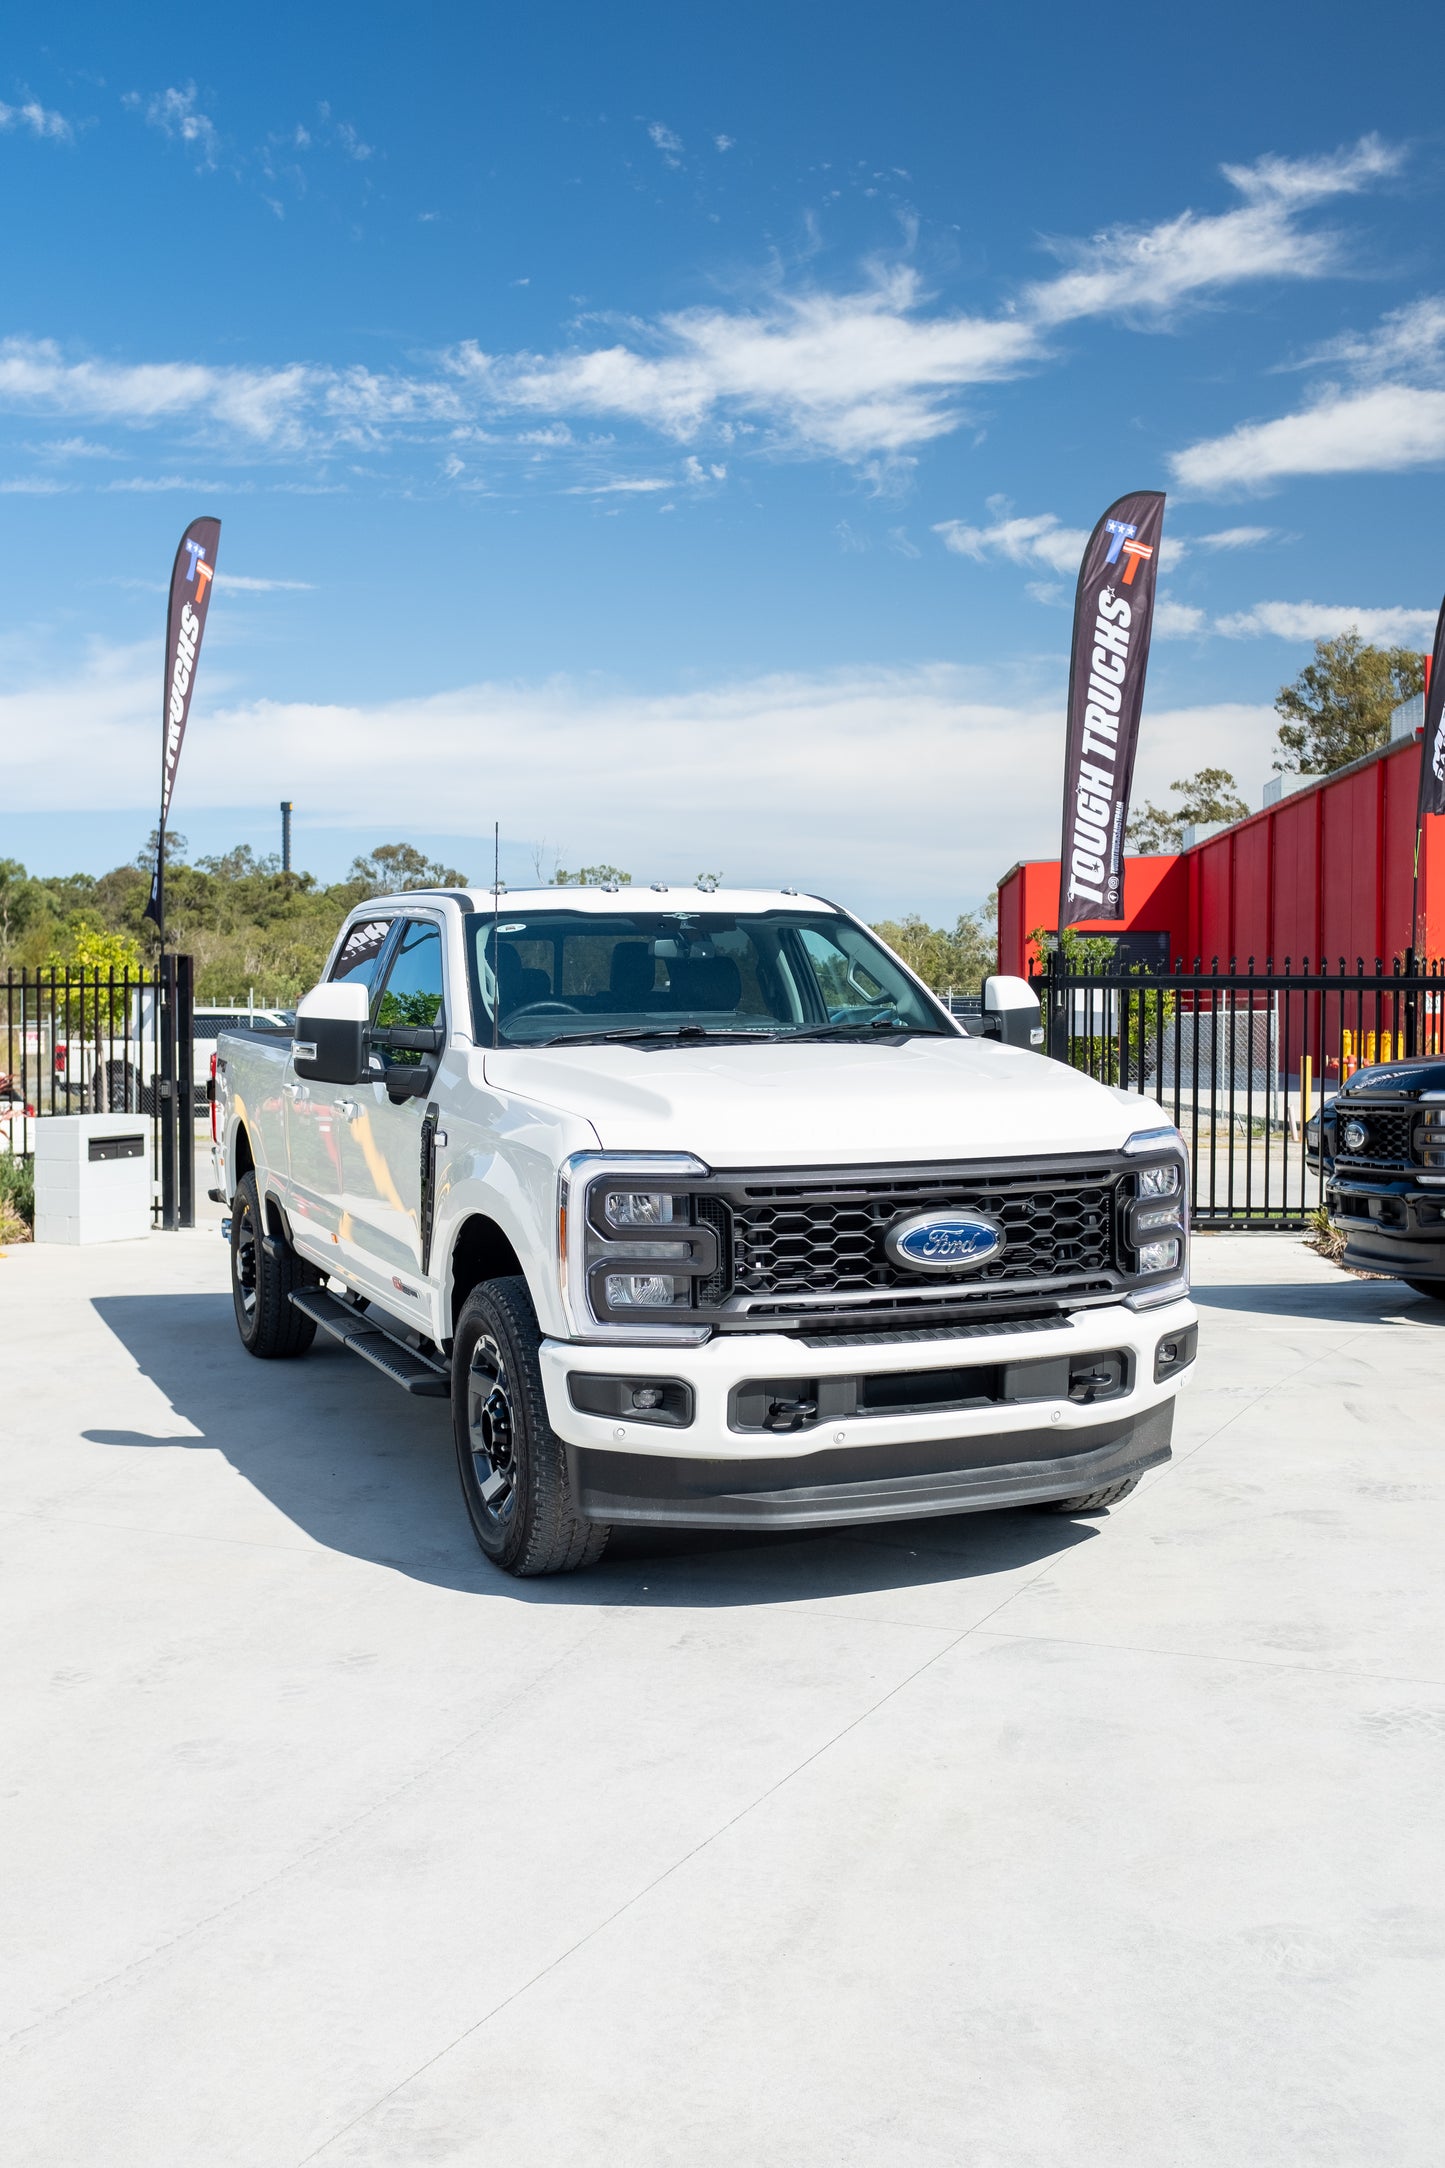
(1240, 1060)
(116, 1042)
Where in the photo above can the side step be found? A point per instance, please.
(407, 1367)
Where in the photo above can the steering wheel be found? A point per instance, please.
(543, 1008)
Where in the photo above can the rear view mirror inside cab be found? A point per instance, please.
(330, 1042)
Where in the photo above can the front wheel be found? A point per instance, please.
(1434, 1288)
(1094, 1501)
(262, 1277)
(524, 1509)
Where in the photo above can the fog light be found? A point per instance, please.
(644, 1291)
(1158, 1256)
(647, 1396)
(637, 1400)
(1175, 1352)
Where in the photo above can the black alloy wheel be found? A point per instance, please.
(263, 1272)
(515, 1473)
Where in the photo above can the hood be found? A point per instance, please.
(819, 1104)
(1403, 1078)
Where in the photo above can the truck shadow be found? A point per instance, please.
(1347, 1301)
(368, 1472)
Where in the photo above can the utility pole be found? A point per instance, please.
(286, 841)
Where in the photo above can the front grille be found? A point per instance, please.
(1387, 1134)
(823, 1235)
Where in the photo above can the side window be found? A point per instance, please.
(843, 982)
(413, 993)
(361, 950)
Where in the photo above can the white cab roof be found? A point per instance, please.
(637, 897)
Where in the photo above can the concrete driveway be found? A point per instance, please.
(1008, 1841)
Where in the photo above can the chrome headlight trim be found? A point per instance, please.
(575, 1178)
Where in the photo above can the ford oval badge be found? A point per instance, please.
(943, 1241)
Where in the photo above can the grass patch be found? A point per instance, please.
(17, 1198)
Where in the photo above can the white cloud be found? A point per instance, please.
(1393, 416)
(34, 485)
(175, 113)
(1151, 270)
(1322, 621)
(160, 485)
(246, 583)
(1177, 620)
(867, 375)
(724, 142)
(1235, 538)
(1382, 430)
(38, 119)
(643, 487)
(1038, 540)
(669, 144)
(773, 778)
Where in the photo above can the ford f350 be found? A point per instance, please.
(701, 1210)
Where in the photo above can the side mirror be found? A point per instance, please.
(1011, 1012)
(330, 1042)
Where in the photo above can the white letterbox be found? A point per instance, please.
(92, 1177)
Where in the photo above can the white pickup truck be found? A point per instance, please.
(701, 1210)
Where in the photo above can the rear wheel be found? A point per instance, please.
(524, 1509)
(263, 1272)
(1433, 1288)
(1094, 1501)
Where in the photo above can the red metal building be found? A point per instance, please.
(1324, 873)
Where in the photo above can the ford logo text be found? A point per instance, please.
(943, 1241)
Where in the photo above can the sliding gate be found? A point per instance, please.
(1240, 1060)
(106, 1042)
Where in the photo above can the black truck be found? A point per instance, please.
(1380, 1144)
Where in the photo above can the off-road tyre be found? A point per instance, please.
(518, 1488)
(1434, 1288)
(262, 1278)
(1094, 1501)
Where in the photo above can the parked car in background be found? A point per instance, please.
(1380, 1145)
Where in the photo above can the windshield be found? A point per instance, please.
(569, 975)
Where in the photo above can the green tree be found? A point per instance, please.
(395, 868)
(960, 957)
(1211, 795)
(1338, 708)
(592, 877)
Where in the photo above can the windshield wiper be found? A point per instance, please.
(847, 1027)
(633, 1033)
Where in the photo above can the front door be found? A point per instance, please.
(318, 1118)
(382, 1148)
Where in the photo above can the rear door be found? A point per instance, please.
(382, 1147)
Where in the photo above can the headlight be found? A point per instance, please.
(1156, 1218)
(1429, 1136)
(633, 1247)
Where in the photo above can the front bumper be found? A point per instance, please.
(1395, 1226)
(874, 1465)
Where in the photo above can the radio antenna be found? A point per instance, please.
(496, 948)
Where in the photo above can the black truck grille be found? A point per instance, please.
(822, 1235)
(1387, 1134)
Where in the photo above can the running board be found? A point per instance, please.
(407, 1367)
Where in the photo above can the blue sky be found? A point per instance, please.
(671, 431)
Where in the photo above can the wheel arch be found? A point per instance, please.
(481, 1250)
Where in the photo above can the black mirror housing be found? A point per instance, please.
(330, 1050)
